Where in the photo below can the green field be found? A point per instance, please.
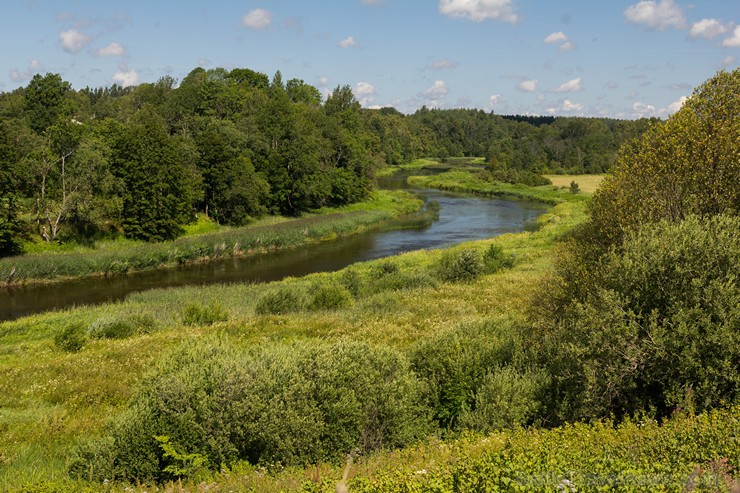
(52, 399)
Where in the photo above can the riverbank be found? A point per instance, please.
(385, 209)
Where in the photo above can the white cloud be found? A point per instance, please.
(113, 49)
(443, 64)
(734, 40)
(126, 77)
(729, 60)
(34, 67)
(372, 2)
(349, 42)
(567, 106)
(573, 85)
(556, 37)
(707, 28)
(479, 10)
(73, 41)
(494, 100)
(527, 85)
(676, 105)
(365, 93)
(642, 110)
(655, 15)
(571, 106)
(567, 46)
(436, 93)
(257, 19)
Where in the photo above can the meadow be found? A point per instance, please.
(70, 380)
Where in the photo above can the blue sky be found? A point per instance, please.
(614, 58)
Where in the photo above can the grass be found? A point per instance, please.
(587, 183)
(207, 241)
(51, 399)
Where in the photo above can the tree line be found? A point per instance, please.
(236, 145)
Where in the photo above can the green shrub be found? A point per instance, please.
(198, 314)
(656, 327)
(505, 398)
(121, 326)
(494, 259)
(71, 338)
(330, 296)
(351, 280)
(460, 265)
(285, 298)
(287, 405)
(455, 365)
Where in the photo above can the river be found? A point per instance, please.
(461, 218)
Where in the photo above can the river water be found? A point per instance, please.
(461, 218)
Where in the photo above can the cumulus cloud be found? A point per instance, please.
(365, 93)
(729, 60)
(479, 10)
(349, 42)
(113, 49)
(126, 77)
(676, 105)
(435, 94)
(494, 100)
(567, 106)
(17, 75)
(73, 41)
(443, 64)
(734, 40)
(573, 85)
(654, 15)
(527, 85)
(707, 29)
(559, 37)
(556, 37)
(257, 19)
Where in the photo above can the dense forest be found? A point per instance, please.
(235, 145)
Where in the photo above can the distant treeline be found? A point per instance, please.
(236, 145)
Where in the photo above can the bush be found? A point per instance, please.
(285, 298)
(197, 314)
(506, 398)
(656, 328)
(282, 405)
(121, 327)
(494, 259)
(455, 365)
(460, 265)
(330, 296)
(71, 338)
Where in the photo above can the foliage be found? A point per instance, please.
(216, 404)
(200, 314)
(687, 165)
(330, 296)
(460, 265)
(455, 365)
(71, 338)
(574, 188)
(656, 329)
(121, 327)
(282, 300)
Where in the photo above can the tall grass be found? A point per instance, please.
(388, 209)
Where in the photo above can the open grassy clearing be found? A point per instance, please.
(586, 183)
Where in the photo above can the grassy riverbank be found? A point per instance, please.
(383, 209)
(69, 377)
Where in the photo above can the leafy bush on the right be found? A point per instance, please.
(658, 328)
(121, 326)
(330, 296)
